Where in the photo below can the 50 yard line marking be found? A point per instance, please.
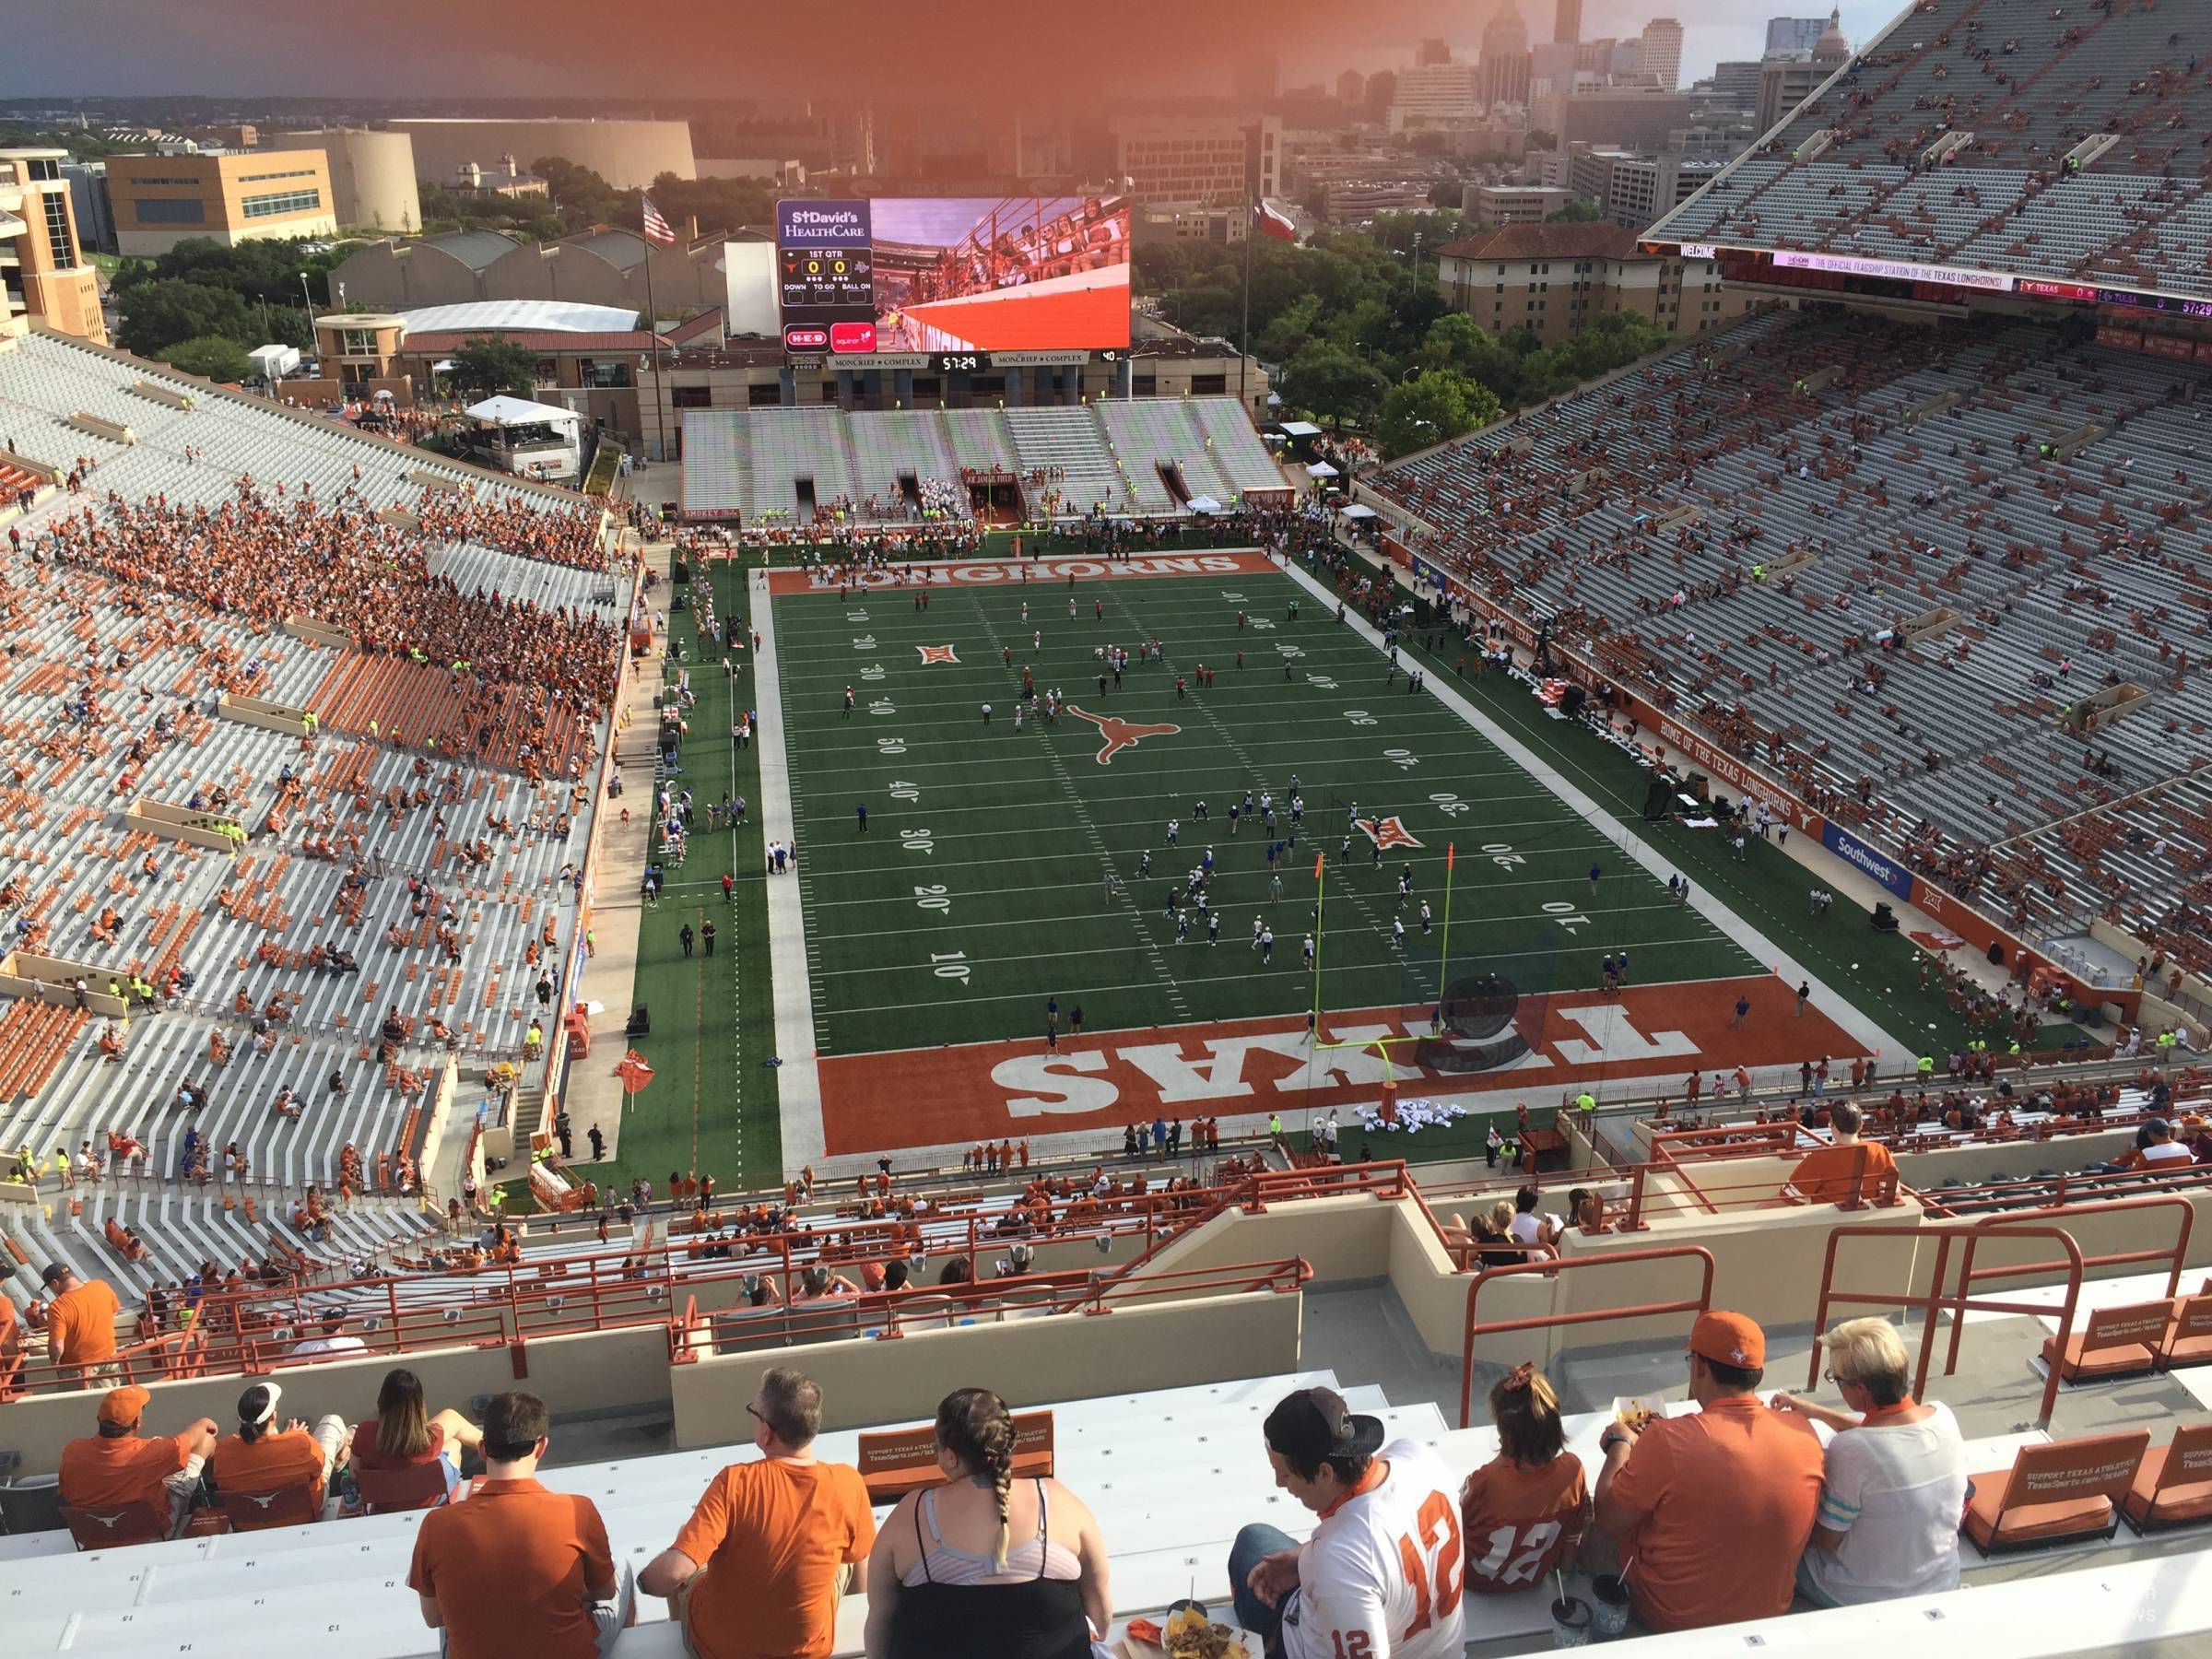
(1097, 844)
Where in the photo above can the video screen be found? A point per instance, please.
(906, 274)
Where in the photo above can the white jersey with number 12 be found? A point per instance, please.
(1380, 1578)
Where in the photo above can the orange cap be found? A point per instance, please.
(124, 1406)
(1728, 1338)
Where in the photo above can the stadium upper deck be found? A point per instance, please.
(1944, 585)
(301, 734)
(2061, 144)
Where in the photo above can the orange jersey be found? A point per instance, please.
(1521, 1522)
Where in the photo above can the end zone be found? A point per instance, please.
(1245, 1070)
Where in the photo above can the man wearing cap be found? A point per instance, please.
(1711, 1510)
(1383, 1572)
(115, 1466)
(259, 1459)
(80, 1323)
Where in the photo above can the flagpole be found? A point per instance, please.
(1443, 959)
(653, 327)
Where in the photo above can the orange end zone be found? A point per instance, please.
(988, 1091)
(1004, 573)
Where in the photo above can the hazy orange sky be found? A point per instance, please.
(912, 47)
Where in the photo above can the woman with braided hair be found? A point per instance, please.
(1526, 1509)
(986, 1563)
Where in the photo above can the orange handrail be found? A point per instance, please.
(1617, 1258)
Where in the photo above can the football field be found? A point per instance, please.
(1002, 868)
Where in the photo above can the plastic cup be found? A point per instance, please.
(1571, 1622)
(1609, 1607)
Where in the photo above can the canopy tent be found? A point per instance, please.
(1359, 510)
(1301, 428)
(1321, 469)
(1203, 504)
(508, 411)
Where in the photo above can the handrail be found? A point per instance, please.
(2067, 1190)
(2031, 1222)
(889, 1315)
(1587, 1316)
(1935, 1299)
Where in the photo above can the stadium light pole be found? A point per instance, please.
(1244, 328)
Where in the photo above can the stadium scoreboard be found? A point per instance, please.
(826, 271)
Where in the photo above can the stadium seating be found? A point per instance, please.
(1111, 453)
(479, 810)
(1957, 136)
(1865, 559)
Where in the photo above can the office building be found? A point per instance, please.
(1662, 54)
(372, 176)
(44, 276)
(1566, 22)
(628, 154)
(1553, 280)
(95, 214)
(1493, 204)
(1634, 189)
(1735, 84)
(1637, 118)
(1433, 51)
(257, 196)
(1505, 58)
(1352, 88)
(1197, 159)
(1784, 83)
(1435, 95)
(1795, 36)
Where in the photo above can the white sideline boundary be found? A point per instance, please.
(1838, 1009)
(799, 1078)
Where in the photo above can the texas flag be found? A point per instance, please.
(1273, 221)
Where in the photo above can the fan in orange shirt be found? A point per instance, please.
(1526, 1509)
(781, 1534)
(1827, 1175)
(257, 1459)
(80, 1323)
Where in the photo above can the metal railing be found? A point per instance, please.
(1552, 1268)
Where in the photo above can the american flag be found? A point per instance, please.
(656, 228)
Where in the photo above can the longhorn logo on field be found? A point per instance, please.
(1388, 832)
(935, 653)
(1120, 734)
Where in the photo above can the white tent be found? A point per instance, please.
(1203, 504)
(1358, 511)
(508, 411)
(1301, 428)
(1321, 469)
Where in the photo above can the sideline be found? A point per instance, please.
(799, 1078)
(1837, 1007)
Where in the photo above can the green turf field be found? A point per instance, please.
(980, 888)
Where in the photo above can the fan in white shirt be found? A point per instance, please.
(1380, 1577)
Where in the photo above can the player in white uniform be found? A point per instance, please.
(1382, 1575)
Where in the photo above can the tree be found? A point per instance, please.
(1435, 406)
(161, 311)
(211, 357)
(1334, 384)
(1580, 210)
(487, 363)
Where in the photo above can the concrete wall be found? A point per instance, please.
(603, 1371)
(1151, 1345)
(628, 154)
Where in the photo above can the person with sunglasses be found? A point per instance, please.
(759, 1569)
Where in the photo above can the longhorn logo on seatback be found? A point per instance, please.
(1388, 832)
(1120, 734)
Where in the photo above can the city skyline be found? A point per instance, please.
(1148, 47)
